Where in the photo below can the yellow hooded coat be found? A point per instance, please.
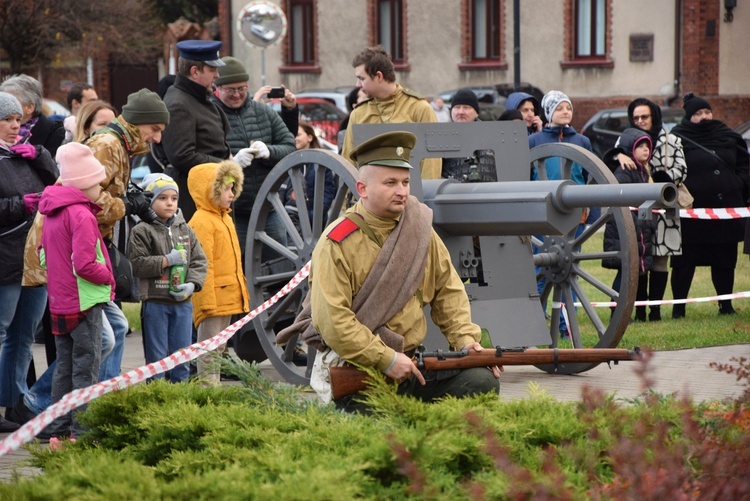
(224, 291)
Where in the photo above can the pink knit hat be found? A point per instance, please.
(78, 166)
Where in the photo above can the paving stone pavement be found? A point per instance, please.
(685, 372)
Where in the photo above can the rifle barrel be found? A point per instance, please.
(346, 380)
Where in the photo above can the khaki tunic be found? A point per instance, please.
(340, 269)
(403, 106)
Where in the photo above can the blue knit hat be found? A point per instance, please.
(157, 182)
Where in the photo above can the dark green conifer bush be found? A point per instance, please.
(265, 441)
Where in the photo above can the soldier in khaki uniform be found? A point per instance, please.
(388, 103)
(342, 261)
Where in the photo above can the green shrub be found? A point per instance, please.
(266, 441)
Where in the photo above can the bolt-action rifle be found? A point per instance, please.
(346, 380)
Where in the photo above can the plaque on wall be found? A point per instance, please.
(642, 47)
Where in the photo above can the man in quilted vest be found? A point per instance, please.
(258, 138)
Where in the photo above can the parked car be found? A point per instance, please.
(605, 126)
(744, 131)
(54, 110)
(323, 115)
(336, 96)
(506, 89)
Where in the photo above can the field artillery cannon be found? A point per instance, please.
(490, 229)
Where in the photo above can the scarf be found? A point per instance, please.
(711, 134)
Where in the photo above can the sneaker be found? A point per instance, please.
(20, 413)
(56, 443)
(8, 426)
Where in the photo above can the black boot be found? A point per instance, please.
(655, 314)
(640, 313)
(725, 307)
(678, 311)
(656, 287)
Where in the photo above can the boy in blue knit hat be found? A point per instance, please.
(155, 250)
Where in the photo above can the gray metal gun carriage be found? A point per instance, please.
(490, 230)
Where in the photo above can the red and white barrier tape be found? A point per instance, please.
(77, 398)
(609, 304)
(719, 213)
(727, 213)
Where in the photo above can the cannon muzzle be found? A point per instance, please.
(532, 207)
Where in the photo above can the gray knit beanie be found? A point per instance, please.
(552, 100)
(233, 71)
(145, 107)
(9, 105)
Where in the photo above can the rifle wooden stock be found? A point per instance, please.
(346, 380)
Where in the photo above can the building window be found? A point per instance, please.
(591, 29)
(301, 32)
(482, 26)
(588, 40)
(485, 30)
(390, 28)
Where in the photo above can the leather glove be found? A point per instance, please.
(138, 203)
(27, 151)
(244, 157)
(261, 150)
(31, 202)
(176, 257)
(185, 291)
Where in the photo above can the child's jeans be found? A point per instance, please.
(209, 364)
(78, 358)
(166, 329)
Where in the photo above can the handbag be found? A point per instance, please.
(685, 199)
(126, 287)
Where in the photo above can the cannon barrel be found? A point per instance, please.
(530, 207)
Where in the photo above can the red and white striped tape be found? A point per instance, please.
(77, 398)
(719, 213)
(609, 304)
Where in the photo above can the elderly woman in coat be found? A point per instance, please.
(25, 170)
(718, 176)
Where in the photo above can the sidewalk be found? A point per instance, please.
(681, 371)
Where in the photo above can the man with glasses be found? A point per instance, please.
(258, 139)
(197, 131)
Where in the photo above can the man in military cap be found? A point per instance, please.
(388, 102)
(373, 272)
(198, 129)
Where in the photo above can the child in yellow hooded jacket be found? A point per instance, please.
(214, 186)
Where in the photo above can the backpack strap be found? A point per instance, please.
(114, 129)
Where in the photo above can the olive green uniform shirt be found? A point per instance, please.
(403, 106)
(340, 269)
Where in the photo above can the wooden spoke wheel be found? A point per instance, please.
(270, 264)
(560, 260)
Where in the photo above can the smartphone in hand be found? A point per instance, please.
(276, 93)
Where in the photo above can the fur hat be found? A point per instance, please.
(145, 107)
(233, 71)
(552, 100)
(9, 105)
(78, 166)
(692, 103)
(465, 96)
(156, 183)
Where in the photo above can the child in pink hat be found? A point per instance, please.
(79, 275)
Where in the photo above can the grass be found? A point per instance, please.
(701, 327)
